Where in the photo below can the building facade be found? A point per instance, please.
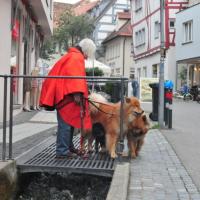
(118, 46)
(105, 21)
(193, 2)
(146, 36)
(188, 45)
(25, 26)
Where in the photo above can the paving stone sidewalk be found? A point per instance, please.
(158, 174)
(29, 129)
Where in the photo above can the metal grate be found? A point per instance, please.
(42, 159)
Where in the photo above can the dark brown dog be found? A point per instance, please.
(98, 133)
(136, 134)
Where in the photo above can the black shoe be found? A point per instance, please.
(69, 155)
(74, 150)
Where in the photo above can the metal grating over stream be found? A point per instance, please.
(42, 159)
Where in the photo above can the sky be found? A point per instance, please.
(67, 1)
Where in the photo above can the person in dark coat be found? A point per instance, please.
(135, 87)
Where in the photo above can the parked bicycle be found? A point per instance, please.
(184, 93)
(198, 95)
(198, 99)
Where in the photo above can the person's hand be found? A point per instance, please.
(77, 98)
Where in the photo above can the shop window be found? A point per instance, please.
(14, 60)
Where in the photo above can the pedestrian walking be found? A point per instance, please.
(135, 87)
(67, 95)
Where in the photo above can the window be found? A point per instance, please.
(118, 50)
(144, 72)
(118, 70)
(112, 66)
(51, 3)
(138, 5)
(140, 37)
(155, 71)
(156, 29)
(132, 71)
(138, 73)
(171, 23)
(47, 2)
(187, 31)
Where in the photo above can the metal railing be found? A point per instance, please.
(121, 80)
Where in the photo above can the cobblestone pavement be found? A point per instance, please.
(158, 174)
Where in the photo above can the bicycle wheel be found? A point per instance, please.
(198, 99)
(187, 97)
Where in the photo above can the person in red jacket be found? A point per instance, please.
(67, 95)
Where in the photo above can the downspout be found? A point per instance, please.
(123, 63)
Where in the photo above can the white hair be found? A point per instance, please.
(88, 47)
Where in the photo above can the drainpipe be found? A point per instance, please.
(176, 78)
(123, 64)
(162, 63)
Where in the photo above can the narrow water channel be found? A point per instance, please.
(60, 186)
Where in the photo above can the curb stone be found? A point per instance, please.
(120, 181)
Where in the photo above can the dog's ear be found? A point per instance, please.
(144, 118)
(127, 99)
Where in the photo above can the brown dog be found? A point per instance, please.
(108, 114)
(136, 133)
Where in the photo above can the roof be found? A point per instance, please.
(125, 30)
(84, 6)
(124, 15)
(58, 10)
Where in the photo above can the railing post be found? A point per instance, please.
(4, 118)
(11, 118)
(121, 142)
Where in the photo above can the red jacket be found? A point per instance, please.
(54, 90)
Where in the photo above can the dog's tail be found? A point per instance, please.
(95, 98)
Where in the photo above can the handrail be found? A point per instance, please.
(97, 79)
(71, 77)
(4, 118)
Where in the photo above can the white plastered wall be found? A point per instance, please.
(5, 46)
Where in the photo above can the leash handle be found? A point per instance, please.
(81, 114)
(81, 118)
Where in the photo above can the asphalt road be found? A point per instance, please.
(185, 135)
